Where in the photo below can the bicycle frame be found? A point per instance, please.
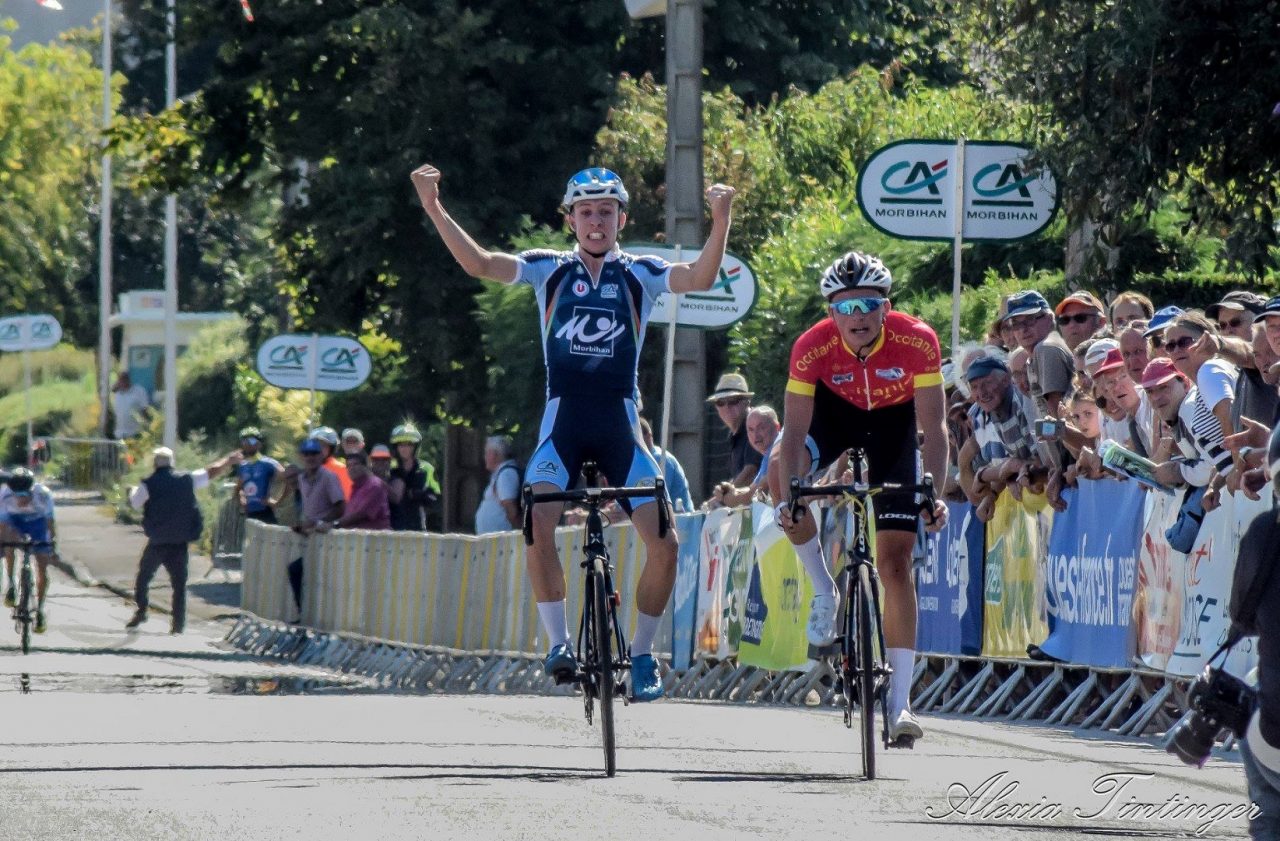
(23, 611)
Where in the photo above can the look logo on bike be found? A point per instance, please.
(594, 303)
(868, 377)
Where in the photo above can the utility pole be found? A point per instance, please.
(684, 209)
(104, 236)
(171, 256)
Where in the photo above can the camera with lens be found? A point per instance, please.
(1216, 701)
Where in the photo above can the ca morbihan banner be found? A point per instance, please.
(908, 190)
(324, 363)
(1091, 573)
(684, 600)
(29, 332)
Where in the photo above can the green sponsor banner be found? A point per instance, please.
(776, 607)
(1013, 587)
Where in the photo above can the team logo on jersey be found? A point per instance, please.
(609, 290)
(890, 373)
(580, 288)
(546, 468)
(591, 332)
(841, 379)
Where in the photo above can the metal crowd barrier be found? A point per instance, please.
(459, 591)
(84, 463)
(227, 546)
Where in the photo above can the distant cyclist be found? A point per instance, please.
(26, 510)
(594, 303)
(868, 377)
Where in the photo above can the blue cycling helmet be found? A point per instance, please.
(594, 183)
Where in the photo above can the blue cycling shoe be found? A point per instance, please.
(646, 680)
(560, 662)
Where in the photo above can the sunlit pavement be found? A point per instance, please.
(117, 734)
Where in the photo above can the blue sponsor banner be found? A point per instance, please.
(684, 610)
(1091, 573)
(949, 586)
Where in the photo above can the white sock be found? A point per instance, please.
(554, 621)
(810, 555)
(646, 629)
(903, 663)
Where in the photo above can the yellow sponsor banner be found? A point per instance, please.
(1013, 590)
(777, 601)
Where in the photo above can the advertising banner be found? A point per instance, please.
(322, 363)
(684, 599)
(1160, 584)
(725, 539)
(29, 332)
(777, 603)
(1091, 573)
(949, 586)
(1013, 589)
(907, 189)
(1206, 589)
(729, 300)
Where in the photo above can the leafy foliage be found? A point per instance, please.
(1152, 95)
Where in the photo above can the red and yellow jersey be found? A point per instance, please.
(904, 358)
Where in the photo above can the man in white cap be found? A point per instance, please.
(171, 519)
(732, 400)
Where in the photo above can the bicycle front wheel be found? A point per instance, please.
(864, 606)
(25, 615)
(604, 663)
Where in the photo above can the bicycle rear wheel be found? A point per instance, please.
(863, 605)
(604, 663)
(25, 614)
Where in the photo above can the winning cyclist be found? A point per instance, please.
(26, 509)
(868, 377)
(594, 303)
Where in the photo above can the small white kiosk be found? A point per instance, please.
(141, 319)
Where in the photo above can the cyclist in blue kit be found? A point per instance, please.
(594, 303)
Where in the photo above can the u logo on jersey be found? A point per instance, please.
(580, 288)
(590, 332)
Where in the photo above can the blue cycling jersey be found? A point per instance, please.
(592, 330)
(255, 481)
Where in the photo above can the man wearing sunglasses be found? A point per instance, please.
(868, 377)
(594, 303)
(1079, 316)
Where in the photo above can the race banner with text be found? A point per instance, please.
(721, 585)
(949, 586)
(1160, 586)
(684, 599)
(1209, 568)
(1013, 585)
(777, 604)
(1092, 571)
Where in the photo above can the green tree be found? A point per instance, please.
(1151, 96)
(49, 101)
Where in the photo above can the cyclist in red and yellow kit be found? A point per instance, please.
(868, 377)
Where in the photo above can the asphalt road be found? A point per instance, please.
(115, 734)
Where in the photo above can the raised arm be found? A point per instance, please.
(699, 275)
(475, 261)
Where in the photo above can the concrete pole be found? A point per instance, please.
(684, 209)
(171, 258)
(104, 237)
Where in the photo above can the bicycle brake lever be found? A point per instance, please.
(664, 515)
(794, 501)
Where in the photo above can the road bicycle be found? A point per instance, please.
(24, 614)
(602, 653)
(862, 665)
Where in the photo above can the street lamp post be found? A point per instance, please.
(104, 235)
(171, 255)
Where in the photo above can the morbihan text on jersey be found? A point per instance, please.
(592, 330)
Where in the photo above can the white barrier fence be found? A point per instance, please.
(459, 591)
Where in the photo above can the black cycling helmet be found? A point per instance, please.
(21, 480)
(855, 270)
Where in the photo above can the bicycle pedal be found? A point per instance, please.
(904, 742)
(561, 678)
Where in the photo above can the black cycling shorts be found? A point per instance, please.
(889, 438)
